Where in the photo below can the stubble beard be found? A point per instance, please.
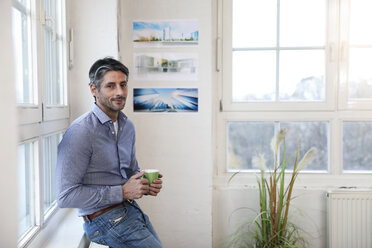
(109, 105)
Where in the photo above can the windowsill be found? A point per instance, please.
(313, 181)
(63, 229)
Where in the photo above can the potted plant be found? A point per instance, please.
(271, 227)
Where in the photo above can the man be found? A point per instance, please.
(97, 170)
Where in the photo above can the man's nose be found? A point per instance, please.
(119, 91)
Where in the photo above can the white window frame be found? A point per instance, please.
(54, 112)
(34, 229)
(36, 121)
(30, 113)
(344, 103)
(225, 33)
(36, 133)
(334, 110)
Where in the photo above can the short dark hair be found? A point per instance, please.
(101, 66)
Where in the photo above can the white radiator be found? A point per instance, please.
(350, 219)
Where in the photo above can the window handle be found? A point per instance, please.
(71, 49)
(218, 54)
(44, 18)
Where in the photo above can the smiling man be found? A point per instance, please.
(97, 170)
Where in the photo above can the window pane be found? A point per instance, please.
(360, 22)
(360, 73)
(302, 22)
(55, 85)
(254, 23)
(54, 80)
(24, 2)
(22, 58)
(26, 218)
(311, 134)
(50, 145)
(254, 74)
(357, 143)
(302, 75)
(246, 140)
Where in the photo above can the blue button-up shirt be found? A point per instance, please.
(93, 162)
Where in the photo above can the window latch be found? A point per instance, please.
(44, 18)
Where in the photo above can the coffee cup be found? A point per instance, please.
(151, 175)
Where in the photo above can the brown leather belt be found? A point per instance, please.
(100, 212)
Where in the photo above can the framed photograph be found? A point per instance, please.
(166, 33)
(166, 66)
(155, 100)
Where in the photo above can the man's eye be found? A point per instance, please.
(123, 85)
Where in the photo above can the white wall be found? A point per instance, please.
(95, 36)
(179, 144)
(8, 140)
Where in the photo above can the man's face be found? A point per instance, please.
(112, 94)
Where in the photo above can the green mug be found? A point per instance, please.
(151, 175)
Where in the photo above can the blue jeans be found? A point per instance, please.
(125, 226)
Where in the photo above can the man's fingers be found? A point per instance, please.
(156, 185)
(145, 187)
(158, 181)
(152, 193)
(144, 181)
(138, 175)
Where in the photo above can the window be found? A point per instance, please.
(26, 187)
(299, 64)
(357, 143)
(26, 93)
(248, 139)
(39, 37)
(53, 38)
(55, 102)
(50, 145)
(356, 55)
(284, 58)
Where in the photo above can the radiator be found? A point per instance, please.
(350, 218)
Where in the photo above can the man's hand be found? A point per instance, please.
(156, 186)
(135, 187)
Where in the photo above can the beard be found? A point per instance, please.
(114, 104)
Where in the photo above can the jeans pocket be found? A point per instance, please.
(116, 216)
(128, 226)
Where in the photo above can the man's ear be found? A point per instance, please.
(93, 89)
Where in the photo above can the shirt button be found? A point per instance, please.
(113, 132)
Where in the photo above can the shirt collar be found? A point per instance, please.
(103, 118)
